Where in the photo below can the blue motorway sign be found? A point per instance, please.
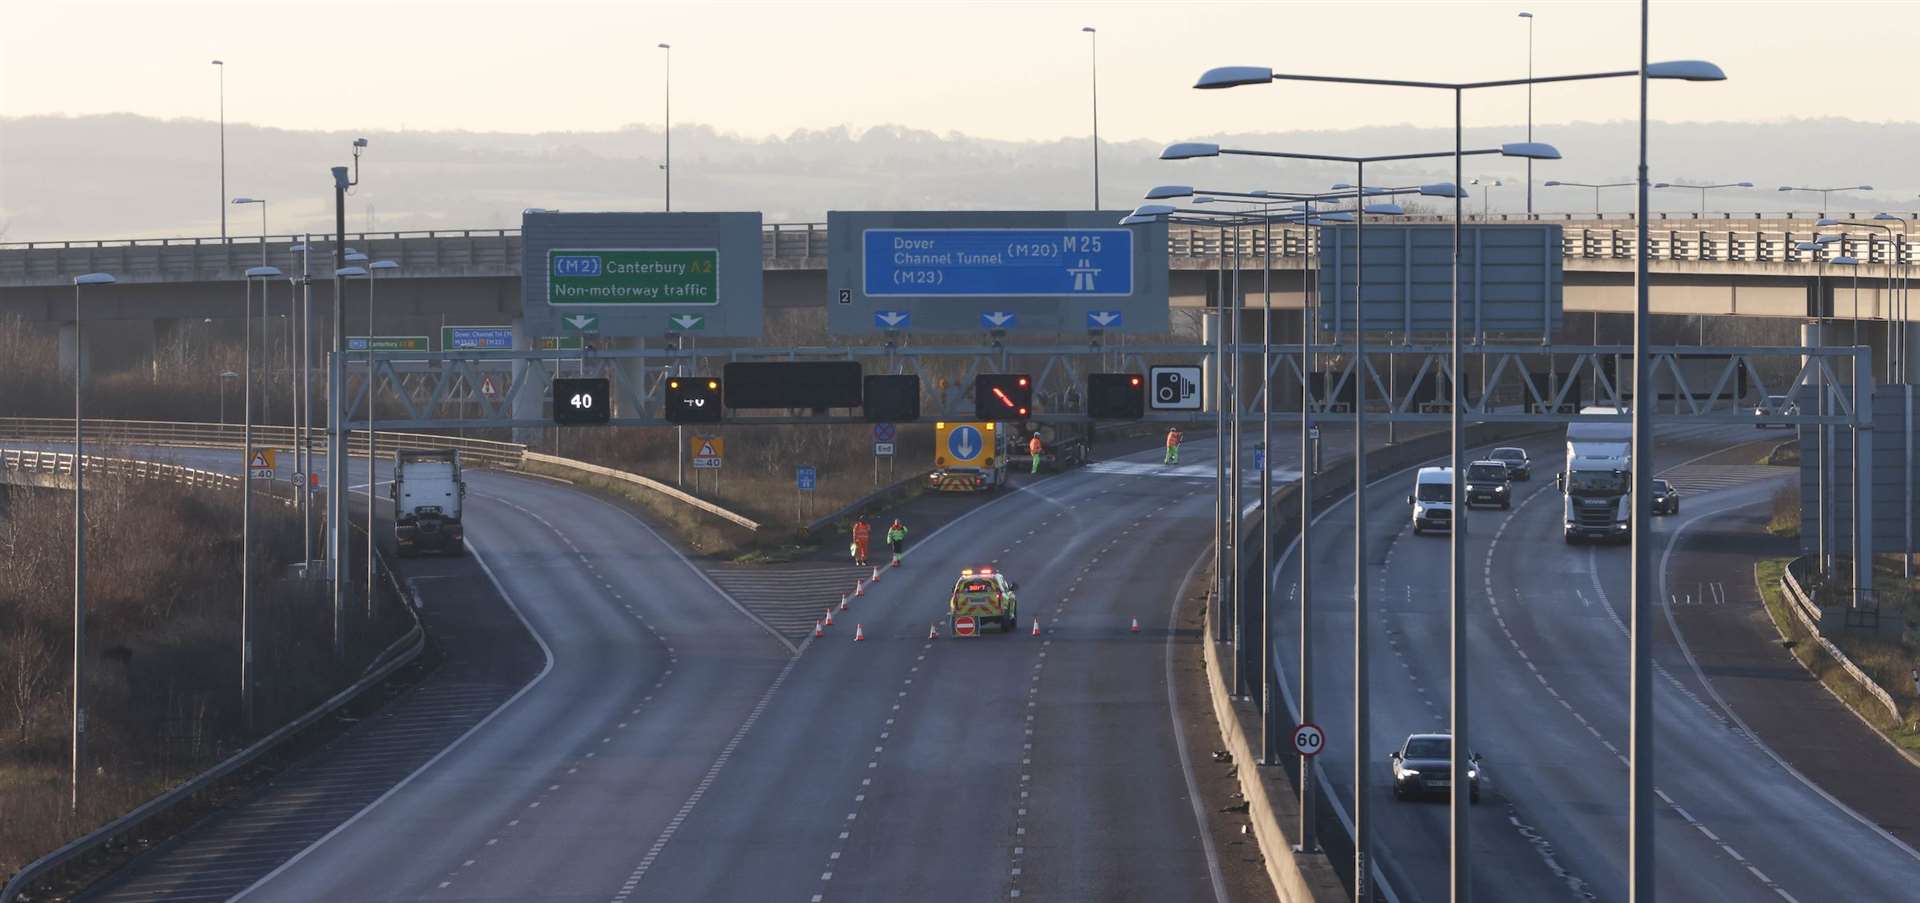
(803, 477)
(964, 443)
(460, 338)
(996, 263)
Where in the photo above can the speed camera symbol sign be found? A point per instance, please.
(1308, 739)
(1174, 388)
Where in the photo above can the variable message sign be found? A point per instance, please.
(641, 274)
(984, 271)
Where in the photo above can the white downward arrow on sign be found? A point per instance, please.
(579, 322)
(685, 321)
(892, 317)
(965, 449)
(999, 317)
(1104, 317)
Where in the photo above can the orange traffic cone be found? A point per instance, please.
(843, 601)
(1136, 626)
(933, 630)
(859, 589)
(1036, 626)
(896, 562)
(859, 633)
(829, 619)
(818, 630)
(876, 575)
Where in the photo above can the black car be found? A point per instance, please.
(1519, 466)
(1487, 484)
(1422, 767)
(1666, 499)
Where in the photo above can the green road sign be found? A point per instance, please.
(389, 343)
(633, 277)
(558, 343)
(688, 322)
(582, 322)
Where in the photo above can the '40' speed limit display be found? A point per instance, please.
(578, 400)
(993, 263)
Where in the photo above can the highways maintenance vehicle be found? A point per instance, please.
(980, 597)
(970, 456)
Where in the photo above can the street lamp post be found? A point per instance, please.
(1486, 191)
(263, 227)
(1703, 189)
(1093, 52)
(1529, 17)
(666, 167)
(78, 727)
(1823, 192)
(372, 382)
(266, 353)
(1555, 183)
(336, 437)
(1640, 827)
(262, 273)
(222, 67)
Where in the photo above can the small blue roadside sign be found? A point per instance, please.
(1259, 458)
(884, 432)
(804, 478)
(484, 338)
(892, 319)
(994, 263)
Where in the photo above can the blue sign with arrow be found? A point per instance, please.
(1103, 319)
(892, 319)
(965, 443)
(998, 263)
(998, 319)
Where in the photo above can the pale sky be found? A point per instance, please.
(1014, 70)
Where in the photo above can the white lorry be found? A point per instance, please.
(1597, 480)
(427, 492)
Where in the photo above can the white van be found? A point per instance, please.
(1432, 500)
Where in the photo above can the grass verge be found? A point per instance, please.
(1883, 659)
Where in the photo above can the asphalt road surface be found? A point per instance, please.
(1547, 660)
(673, 747)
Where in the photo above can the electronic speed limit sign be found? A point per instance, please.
(1308, 739)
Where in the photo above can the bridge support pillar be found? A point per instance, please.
(71, 353)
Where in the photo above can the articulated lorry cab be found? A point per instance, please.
(1597, 482)
(970, 456)
(427, 493)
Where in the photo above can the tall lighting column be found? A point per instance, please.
(78, 726)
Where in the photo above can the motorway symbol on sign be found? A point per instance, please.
(582, 322)
(892, 319)
(998, 319)
(965, 443)
(1308, 739)
(965, 625)
(883, 449)
(884, 432)
(1102, 319)
(486, 386)
(1174, 388)
(689, 321)
(803, 477)
(997, 263)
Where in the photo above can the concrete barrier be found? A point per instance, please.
(1800, 604)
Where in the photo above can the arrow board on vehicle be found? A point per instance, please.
(965, 443)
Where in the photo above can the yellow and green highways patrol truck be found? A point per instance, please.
(969, 457)
(980, 597)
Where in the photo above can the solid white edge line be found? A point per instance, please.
(1680, 640)
(1180, 739)
(544, 649)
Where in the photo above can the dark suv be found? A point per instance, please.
(1487, 483)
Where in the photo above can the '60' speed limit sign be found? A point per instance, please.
(1308, 739)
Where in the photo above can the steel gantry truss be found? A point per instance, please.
(1522, 383)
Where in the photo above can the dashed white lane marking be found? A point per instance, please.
(706, 781)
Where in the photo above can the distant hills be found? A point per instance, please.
(124, 176)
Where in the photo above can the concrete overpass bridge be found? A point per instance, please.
(1703, 266)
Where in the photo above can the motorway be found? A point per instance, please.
(671, 737)
(1547, 660)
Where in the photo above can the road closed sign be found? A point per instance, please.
(965, 625)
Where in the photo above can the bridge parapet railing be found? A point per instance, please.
(184, 434)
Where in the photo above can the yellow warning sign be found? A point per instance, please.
(708, 447)
(263, 458)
